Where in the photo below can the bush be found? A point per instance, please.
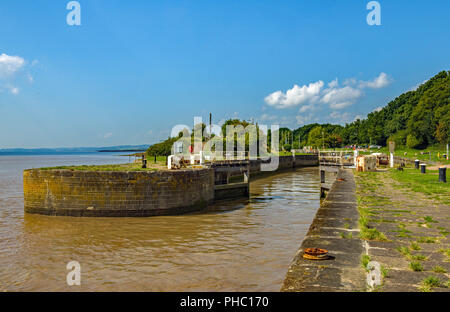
(399, 138)
(412, 141)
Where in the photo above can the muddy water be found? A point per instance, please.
(244, 245)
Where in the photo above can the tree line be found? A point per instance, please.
(415, 119)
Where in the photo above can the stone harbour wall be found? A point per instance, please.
(117, 194)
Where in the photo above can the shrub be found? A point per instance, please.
(412, 141)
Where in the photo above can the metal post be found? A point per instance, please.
(322, 176)
(391, 160)
(443, 174)
(423, 168)
(447, 151)
(155, 159)
(416, 163)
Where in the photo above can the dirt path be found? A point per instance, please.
(438, 166)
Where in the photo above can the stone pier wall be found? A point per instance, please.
(117, 194)
(134, 193)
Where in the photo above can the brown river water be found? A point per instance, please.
(243, 245)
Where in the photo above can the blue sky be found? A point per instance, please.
(134, 69)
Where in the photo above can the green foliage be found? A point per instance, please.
(431, 281)
(416, 119)
(317, 138)
(439, 269)
(162, 149)
(415, 246)
(422, 117)
(365, 259)
(413, 142)
(399, 138)
(416, 266)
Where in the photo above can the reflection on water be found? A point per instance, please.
(244, 245)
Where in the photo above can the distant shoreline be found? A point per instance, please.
(120, 151)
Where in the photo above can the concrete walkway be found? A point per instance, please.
(334, 228)
(416, 226)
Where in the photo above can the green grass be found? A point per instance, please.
(427, 184)
(416, 266)
(427, 240)
(416, 154)
(384, 271)
(367, 233)
(365, 259)
(372, 234)
(418, 257)
(431, 281)
(126, 167)
(415, 246)
(401, 229)
(443, 231)
(439, 269)
(429, 219)
(446, 252)
(160, 161)
(404, 251)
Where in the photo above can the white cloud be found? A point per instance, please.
(379, 82)
(108, 135)
(333, 84)
(378, 109)
(267, 117)
(9, 65)
(341, 117)
(306, 108)
(295, 96)
(14, 90)
(302, 120)
(338, 98)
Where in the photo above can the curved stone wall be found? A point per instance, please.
(117, 194)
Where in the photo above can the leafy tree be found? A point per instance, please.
(318, 138)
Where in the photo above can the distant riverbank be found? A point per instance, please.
(71, 150)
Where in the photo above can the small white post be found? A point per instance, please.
(447, 151)
(355, 155)
(169, 162)
(202, 158)
(391, 152)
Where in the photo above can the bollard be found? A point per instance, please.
(423, 168)
(416, 163)
(443, 174)
(144, 163)
(322, 176)
(155, 159)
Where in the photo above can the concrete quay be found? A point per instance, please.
(334, 228)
